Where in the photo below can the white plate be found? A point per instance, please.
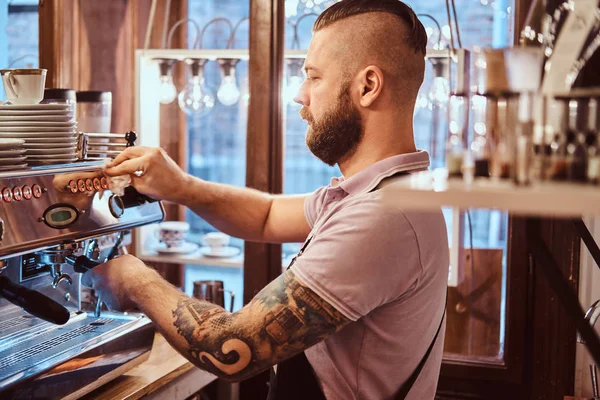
(12, 167)
(39, 135)
(12, 160)
(26, 119)
(186, 248)
(35, 124)
(35, 107)
(12, 153)
(224, 252)
(31, 113)
(37, 129)
(41, 157)
(52, 162)
(49, 151)
(10, 143)
(35, 145)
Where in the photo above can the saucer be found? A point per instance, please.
(186, 248)
(224, 252)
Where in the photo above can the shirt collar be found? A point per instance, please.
(370, 177)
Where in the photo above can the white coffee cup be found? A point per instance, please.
(172, 233)
(216, 240)
(24, 86)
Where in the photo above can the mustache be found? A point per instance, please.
(305, 114)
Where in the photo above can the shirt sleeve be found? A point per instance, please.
(364, 256)
(313, 205)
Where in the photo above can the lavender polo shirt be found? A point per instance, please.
(385, 269)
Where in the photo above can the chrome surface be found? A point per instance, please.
(71, 218)
(591, 316)
(27, 224)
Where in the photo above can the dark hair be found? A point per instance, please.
(417, 39)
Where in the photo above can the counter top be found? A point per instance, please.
(164, 374)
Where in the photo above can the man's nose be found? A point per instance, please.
(302, 97)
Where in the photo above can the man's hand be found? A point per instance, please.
(152, 172)
(110, 281)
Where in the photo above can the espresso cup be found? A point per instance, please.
(215, 240)
(172, 233)
(24, 86)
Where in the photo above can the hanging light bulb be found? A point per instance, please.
(439, 93)
(228, 94)
(196, 97)
(294, 80)
(167, 91)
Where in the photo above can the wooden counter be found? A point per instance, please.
(166, 374)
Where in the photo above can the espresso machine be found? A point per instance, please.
(57, 341)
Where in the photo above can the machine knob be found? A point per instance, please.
(116, 206)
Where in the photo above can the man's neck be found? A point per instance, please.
(373, 150)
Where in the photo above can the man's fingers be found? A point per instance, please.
(128, 154)
(86, 279)
(128, 167)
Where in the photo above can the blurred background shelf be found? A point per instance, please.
(194, 259)
(433, 189)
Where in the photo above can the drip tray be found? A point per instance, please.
(24, 356)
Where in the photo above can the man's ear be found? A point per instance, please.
(371, 85)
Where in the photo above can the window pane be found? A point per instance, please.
(18, 35)
(217, 140)
(475, 330)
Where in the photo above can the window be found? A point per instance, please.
(18, 35)
(217, 139)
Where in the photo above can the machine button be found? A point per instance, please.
(81, 185)
(97, 184)
(104, 182)
(89, 185)
(7, 195)
(116, 206)
(27, 194)
(73, 186)
(17, 194)
(37, 191)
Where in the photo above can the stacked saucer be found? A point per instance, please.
(48, 131)
(12, 155)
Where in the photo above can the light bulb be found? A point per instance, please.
(439, 94)
(228, 93)
(292, 89)
(196, 97)
(167, 91)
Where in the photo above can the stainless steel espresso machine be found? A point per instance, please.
(56, 341)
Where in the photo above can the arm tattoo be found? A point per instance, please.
(284, 319)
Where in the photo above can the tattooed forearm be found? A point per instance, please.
(284, 319)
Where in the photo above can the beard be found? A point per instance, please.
(336, 135)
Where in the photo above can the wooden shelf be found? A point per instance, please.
(433, 189)
(194, 258)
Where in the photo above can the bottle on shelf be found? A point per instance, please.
(576, 147)
(524, 140)
(484, 121)
(558, 159)
(592, 142)
(503, 160)
(457, 125)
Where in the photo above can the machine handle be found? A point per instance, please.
(33, 302)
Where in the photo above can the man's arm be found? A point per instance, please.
(285, 318)
(241, 212)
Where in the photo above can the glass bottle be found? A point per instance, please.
(593, 152)
(456, 131)
(504, 153)
(576, 147)
(558, 157)
(524, 140)
(484, 119)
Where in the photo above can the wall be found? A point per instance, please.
(3, 38)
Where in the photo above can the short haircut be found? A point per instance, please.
(417, 38)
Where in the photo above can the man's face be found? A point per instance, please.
(335, 126)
